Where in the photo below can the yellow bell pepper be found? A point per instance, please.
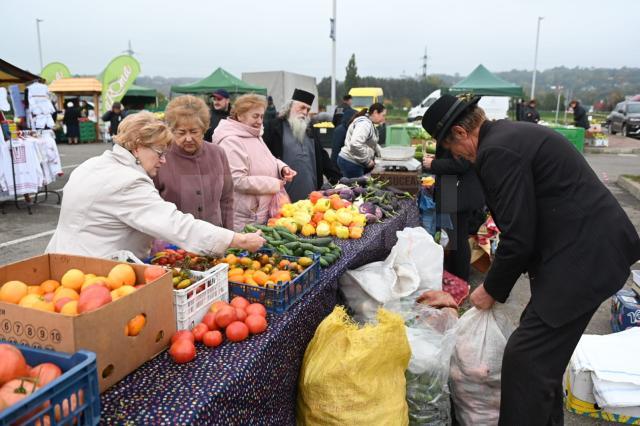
(342, 232)
(322, 205)
(344, 216)
(355, 232)
(301, 218)
(359, 219)
(330, 215)
(323, 229)
(288, 223)
(308, 230)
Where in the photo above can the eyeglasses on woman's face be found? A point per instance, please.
(161, 154)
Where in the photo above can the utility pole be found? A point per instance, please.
(333, 56)
(535, 60)
(424, 64)
(129, 51)
(38, 20)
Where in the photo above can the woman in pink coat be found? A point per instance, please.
(257, 174)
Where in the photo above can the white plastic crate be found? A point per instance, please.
(193, 302)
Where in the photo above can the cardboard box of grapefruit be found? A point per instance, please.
(66, 303)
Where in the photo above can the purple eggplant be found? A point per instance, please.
(358, 190)
(371, 218)
(346, 194)
(378, 213)
(367, 208)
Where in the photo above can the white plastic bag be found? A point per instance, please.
(414, 264)
(476, 364)
(431, 335)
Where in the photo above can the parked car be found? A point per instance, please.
(625, 118)
(495, 107)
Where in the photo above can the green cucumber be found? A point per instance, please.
(321, 242)
(323, 262)
(289, 237)
(250, 228)
(292, 245)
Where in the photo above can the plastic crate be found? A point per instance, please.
(277, 298)
(397, 135)
(79, 375)
(193, 302)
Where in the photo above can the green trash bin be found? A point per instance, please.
(575, 135)
(397, 135)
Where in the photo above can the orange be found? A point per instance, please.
(65, 292)
(13, 291)
(87, 277)
(70, 308)
(73, 279)
(238, 278)
(250, 280)
(30, 300)
(49, 286)
(260, 278)
(120, 275)
(94, 280)
(41, 305)
(136, 324)
(236, 271)
(231, 259)
(122, 292)
(245, 261)
(255, 265)
(35, 289)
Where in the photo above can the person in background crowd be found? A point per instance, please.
(71, 116)
(343, 112)
(289, 138)
(257, 175)
(111, 204)
(530, 113)
(271, 113)
(337, 142)
(357, 156)
(220, 111)
(552, 210)
(84, 109)
(580, 118)
(520, 107)
(113, 117)
(458, 193)
(196, 178)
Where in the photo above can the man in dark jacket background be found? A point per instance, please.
(220, 111)
(580, 118)
(290, 139)
(559, 223)
(344, 112)
(113, 117)
(530, 113)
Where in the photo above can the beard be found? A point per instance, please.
(298, 127)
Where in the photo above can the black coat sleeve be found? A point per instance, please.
(449, 166)
(329, 169)
(508, 184)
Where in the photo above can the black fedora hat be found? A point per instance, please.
(444, 112)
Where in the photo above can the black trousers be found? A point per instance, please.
(458, 261)
(535, 359)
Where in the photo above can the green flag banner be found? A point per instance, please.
(117, 77)
(55, 71)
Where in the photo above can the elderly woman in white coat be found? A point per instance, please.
(110, 202)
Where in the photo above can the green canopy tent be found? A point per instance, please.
(219, 79)
(138, 96)
(482, 82)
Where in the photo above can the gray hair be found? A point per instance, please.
(285, 110)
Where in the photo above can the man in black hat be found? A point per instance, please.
(220, 111)
(290, 139)
(559, 223)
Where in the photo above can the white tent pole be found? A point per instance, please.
(333, 56)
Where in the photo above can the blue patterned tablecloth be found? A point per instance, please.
(251, 382)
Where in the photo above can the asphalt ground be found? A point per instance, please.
(24, 235)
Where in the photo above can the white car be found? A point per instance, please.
(495, 107)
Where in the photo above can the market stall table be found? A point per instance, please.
(254, 381)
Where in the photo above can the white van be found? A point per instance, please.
(495, 107)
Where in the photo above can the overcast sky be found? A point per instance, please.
(190, 38)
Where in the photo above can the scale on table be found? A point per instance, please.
(398, 159)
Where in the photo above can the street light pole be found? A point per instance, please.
(535, 60)
(333, 56)
(560, 88)
(38, 20)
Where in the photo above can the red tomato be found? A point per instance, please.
(256, 323)
(210, 320)
(183, 334)
(239, 302)
(217, 305)
(13, 363)
(237, 331)
(45, 373)
(199, 330)
(241, 314)
(226, 316)
(182, 351)
(212, 338)
(256, 309)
